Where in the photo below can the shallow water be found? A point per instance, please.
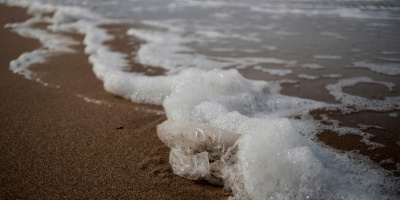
(328, 71)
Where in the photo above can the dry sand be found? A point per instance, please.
(56, 145)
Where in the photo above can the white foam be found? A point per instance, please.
(328, 57)
(343, 12)
(360, 103)
(162, 49)
(169, 50)
(396, 60)
(307, 76)
(222, 15)
(278, 72)
(286, 33)
(235, 50)
(223, 49)
(91, 100)
(312, 66)
(270, 47)
(390, 53)
(389, 160)
(24, 61)
(383, 68)
(218, 35)
(364, 127)
(334, 125)
(394, 115)
(333, 76)
(52, 44)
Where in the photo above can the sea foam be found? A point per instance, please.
(52, 44)
(392, 69)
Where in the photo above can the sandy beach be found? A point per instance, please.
(65, 137)
(57, 143)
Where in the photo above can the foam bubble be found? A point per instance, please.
(330, 10)
(270, 47)
(390, 53)
(394, 115)
(308, 77)
(286, 33)
(383, 68)
(360, 103)
(395, 60)
(91, 100)
(333, 76)
(52, 43)
(162, 50)
(278, 72)
(312, 66)
(235, 50)
(169, 50)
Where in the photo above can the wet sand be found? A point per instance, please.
(55, 145)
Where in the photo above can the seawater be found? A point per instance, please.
(249, 85)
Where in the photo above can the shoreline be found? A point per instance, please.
(75, 124)
(57, 144)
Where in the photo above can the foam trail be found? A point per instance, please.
(308, 77)
(168, 49)
(360, 103)
(52, 44)
(392, 69)
(278, 72)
